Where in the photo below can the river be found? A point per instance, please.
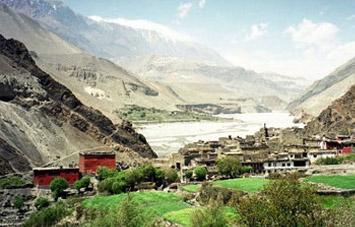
(166, 138)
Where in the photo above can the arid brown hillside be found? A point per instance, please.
(338, 118)
(41, 120)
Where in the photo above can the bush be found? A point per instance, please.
(19, 203)
(103, 172)
(329, 161)
(284, 202)
(171, 175)
(200, 173)
(57, 186)
(11, 182)
(246, 169)
(82, 183)
(211, 216)
(41, 203)
(48, 216)
(229, 166)
(188, 174)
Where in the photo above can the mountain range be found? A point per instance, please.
(42, 121)
(323, 92)
(171, 69)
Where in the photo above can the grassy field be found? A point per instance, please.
(183, 216)
(338, 181)
(243, 184)
(156, 203)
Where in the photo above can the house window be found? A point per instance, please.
(288, 164)
(283, 164)
(314, 156)
(269, 164)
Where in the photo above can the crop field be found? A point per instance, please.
(157, 203)
(242, 184)
(338, 181)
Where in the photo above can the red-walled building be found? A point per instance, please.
(91, 160)
(42, 177)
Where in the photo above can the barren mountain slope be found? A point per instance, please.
(323, 92)
(42, 119)
(338, 118)
(97, 82)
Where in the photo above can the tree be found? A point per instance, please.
(200, 172)
(57, 186)
(171, 175)
(188, 174)
(229, 166)
(82, 183)
(210, 216)
(284, 202)
(103, 172)
(41, 203)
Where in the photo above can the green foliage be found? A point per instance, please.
(283, 202)
(19, 202)
(188, 174)
(329, 161)
(229, 166)
(127, 180)
(48, 216)
(171, 175)
(211, 216)
(246, 169)
(136, 113)
(82, 183)
(103, 172)
(57, 186)
(200, 173)
(41, 203)
(11, 182)
(336, 160)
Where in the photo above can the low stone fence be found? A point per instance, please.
(349, 192)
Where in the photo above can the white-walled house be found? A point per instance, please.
(315, 155)
(286, 162)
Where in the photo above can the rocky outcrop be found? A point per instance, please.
(209, 108)
(338, 118)
(34, 90)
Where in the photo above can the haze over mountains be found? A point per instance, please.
(323, 92)
(171, 70)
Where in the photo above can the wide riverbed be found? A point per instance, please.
(166, 138)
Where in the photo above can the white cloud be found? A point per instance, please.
(257, 31)
(201, 4)
(309, 34)
(184, 9)
(145, 25)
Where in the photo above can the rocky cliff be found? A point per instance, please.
(338, 118)
(41, 120)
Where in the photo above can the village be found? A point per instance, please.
(268, 153)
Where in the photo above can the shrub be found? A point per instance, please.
(41, 203)
(82, 183)
(159, 176)
(57, 186)
(10, 182)
(48, 216)
(171, 175)
(19, 203)
(103, 172)
(200, 173)
(229, 166)
(211, 216)
(329, 161)
(284, 202)
(246, 169)
(188, 174)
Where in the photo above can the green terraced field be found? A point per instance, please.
(338, 181)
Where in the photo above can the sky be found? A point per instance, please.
(306, 38)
